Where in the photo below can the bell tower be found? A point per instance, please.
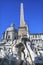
(23, 29)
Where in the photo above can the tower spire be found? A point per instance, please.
(22, 23)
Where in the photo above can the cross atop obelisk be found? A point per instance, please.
(22, 23)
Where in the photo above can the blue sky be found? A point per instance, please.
(10, 13)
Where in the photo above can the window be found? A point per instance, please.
(39, 40)
(39, 36)
(15, 37)
(35, 36)
(36, 41)
(33, 40)
(9, 37)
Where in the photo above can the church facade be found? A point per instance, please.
(11, 37)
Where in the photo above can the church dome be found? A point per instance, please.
(12, 25)
(11, 28)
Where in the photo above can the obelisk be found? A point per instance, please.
(22, 23)
(23, 29)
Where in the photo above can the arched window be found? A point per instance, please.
(8, 36)
(15, 37)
